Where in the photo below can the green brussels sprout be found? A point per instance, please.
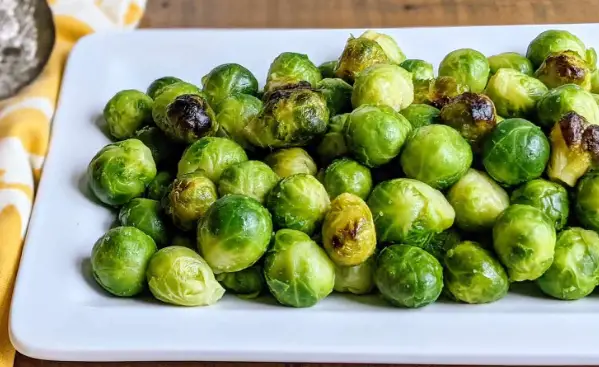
(158, 85)
(437, 92)
(327, 69)
(516, 151)
(183, 113)
(250, 178)
(234, 233)
(515, 94)
(333, 144)
(348, 233)
(126, 112)
(246, 284)
(298, 202)
(574, 273)
(188, 198)
(337, 93)
(563, 99)
(408, 276)
(421, 115)
(552, 41)
(119, 260)
(234, 113)
(420, 69)
(359, 54)
(524, 240)
(291, 161)
(347, 175)
(297, 271)
(551, 198)
(228, 79)
(564, 68)
(383, 84)
(212, 155)
(587, 200)
(290, 117)
(394, 53)
(477, 201)
(179, 276)
(357, 279)
(473, 275)
(441, 242)
(510, 60)
(375, 134)
(408, 211)
(292, 67)
(436, 155)
(163, 150)
(158, 187)
(121, 171)
(468, 67)
(145, 215)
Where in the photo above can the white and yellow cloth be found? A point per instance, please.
(25, 122)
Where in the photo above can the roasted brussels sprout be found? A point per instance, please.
(516, 151)
(383, 84)
(477, 201)
(158, 85)
(250, 178)
(298, 202)
(473, 275)
(515, 94)
(158, 187)
(394, 53)
(408, 276)
(119, 260)
(145, 215)
(587, 200)
(234, 113)
(574, 273)
(510, 60)
(163, 150)
(228, 79)
(337, 93)
(441, 242)
(408, 211)
(327, 69)
(357, 279)
(421, 115)
(297, 271)
(563, 99)
(524, 240)
(291, 68)
(564, 68)
(359, 54)
(437, 92)
(472, 114)
(333, 144)
(347, 175)
(247, 283)
(374, 135)
(554, 40)
(180, 276)
(420, 69)
(468, 67)
(212, 155)
(126, 112)
(121, 171)
(551, 198)
(291, 161)
(436, 155)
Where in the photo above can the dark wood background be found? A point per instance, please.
(342, 14)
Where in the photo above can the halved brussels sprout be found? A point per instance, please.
(250, 178)
(420, 69)
(247, 283)
(126, 112)
(563, 99)
(515, 94)
(383, 84)
(228, 79)
(510, 60)
(291, 161)
(437, 92)
(145, 215)
(587, 200)
(555, 40)
(549, 197)
(421, 115)
(290, 68)
(359, 54)
(337, 93)
(333, 144)
(441, 242)
(394, 53)
(346, 175)
(158, 187)
(327, 69)
(163, 150)
(357, 279)
(158, 85)
(468, 67)
(234, 113)
(564, 68)
(211, 155)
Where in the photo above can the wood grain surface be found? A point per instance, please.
(341, 14)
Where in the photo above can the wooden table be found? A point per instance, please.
(348, 13)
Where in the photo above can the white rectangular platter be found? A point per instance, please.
(59, 313)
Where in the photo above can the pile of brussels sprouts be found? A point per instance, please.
(364, 174)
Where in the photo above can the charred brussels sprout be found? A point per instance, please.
(552, 41)
(515, 94)
(346, 175)
(357, 279)
(437, 92)
(408, 276)
(563, 99)
(327, 69)
(212, 155)
(163, 150)
(297, 271)
(188, 198)
(228, 79)
(441, 242)
(145, 215)
(158, 85)
(473, 115)
(126, 112)
(587, 200)
(420, 69)
(510, 60)
(394, 53)
(436, 155)
(564, 68)
(247, 283)
(121, 171)
(337, 93)
(119, 260)
(473, 275)
(234, 113)
(549, 197)
(291, 161)
(158, 187)
(333, 144)
(291, 68)
(421, 115)
(359, 54)
(250, 178)
(468, 67)
(524, 240)
(383, 84)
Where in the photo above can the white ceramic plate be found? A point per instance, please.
(58, 312)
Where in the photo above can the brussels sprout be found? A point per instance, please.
(510, 60)
(250, 178)
(436, 155)
(563, 99)
(337, 93)
(145, 215)
(291, 161)
(468, 66)
(383, 84)
(183, 113)
(408, 211)
(357, 279)
(394, 53)
(359, 54)
(180, 276)
(158, 85)
(524, 240)
(408, 276)
(473, 275)
(374, 135)
(234, 113)
(574, 272)
(163, 150)
(212, 155)
(473, 115)
(441, 242)
(126, 112)
(421, 115)
(298, 202)
(477, 201)
(514, 94)
(297, 271)
(119, 260)
(228, 79)
(564, 68)
(552, 41)
(549, 197)
(327, 69)
(121, 171)
(292, 67)
(420, 69)
(346, 175)
(234, 233)
(587, 200)
(333, 144)
(437, 92)
(247, 283)
(188, 198)
(290, 117)
(158, 187)
(516, 151)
